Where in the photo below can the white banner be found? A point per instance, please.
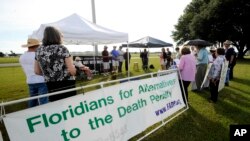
(223, 76)
(205, 82)
(1, 138)
(113, 113)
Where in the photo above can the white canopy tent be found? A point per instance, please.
(77, 30)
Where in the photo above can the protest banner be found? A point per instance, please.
(205, 82)
(112, 113)
(223, 75)
(1, 138)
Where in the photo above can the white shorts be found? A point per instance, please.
(106, 65)
(162, 62)
(115, 63)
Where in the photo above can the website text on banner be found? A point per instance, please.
(118, 112)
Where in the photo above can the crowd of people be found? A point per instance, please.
(192, 62)
(49, 67)
(193, 67)
(117, 57)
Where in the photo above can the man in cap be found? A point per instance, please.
(36, 83)
(115, 59)
(120, 58)
(230, 55)
(212, 56)
(105, 60)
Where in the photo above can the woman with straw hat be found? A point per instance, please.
(36, 83)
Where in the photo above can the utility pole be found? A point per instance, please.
(94, 21)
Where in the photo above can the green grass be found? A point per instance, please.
(202, 121)
(4, 60)
(207, 121)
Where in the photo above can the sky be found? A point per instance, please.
(138, 18)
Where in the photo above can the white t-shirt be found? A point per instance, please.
(27, 61)
(120, 57)
(78, 64)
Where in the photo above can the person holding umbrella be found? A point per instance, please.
(202, 60)
(201, 65)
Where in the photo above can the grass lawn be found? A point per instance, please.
(4, 60)
(207, 121)
(203, 121)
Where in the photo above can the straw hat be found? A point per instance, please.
(212, 48)
(227, 42)
(31, 42)
(78, 58)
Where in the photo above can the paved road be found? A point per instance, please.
(10, 65)
(17, 64)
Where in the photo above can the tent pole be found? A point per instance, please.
(128, 60)
(94, 21)
(94, 59)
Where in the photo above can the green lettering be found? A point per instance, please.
(55, 118)
(46, 123)
(121, 111)
(108, 119)
(93, 105)
(110, 100)
(64, 113)
(135, 106)
(141, 90)
(31, 124)
(79, 109)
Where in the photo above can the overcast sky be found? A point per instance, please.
(138, 18)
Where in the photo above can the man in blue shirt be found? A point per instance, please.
(115, 59)
(201, 66)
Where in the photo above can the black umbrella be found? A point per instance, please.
(198, 42)
(149, 42)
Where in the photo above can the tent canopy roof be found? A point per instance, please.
(148, 42)
(77, 30)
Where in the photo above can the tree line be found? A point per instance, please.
(216, 21)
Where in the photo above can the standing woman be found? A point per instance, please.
(187, 67)
(127, 57)
(54, 62)
(214, 74)
(36, 83)
(163, 57)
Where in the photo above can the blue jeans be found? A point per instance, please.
(227, 76)
(35, 90)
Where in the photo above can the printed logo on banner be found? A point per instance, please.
(118, 112)
(239, 132)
